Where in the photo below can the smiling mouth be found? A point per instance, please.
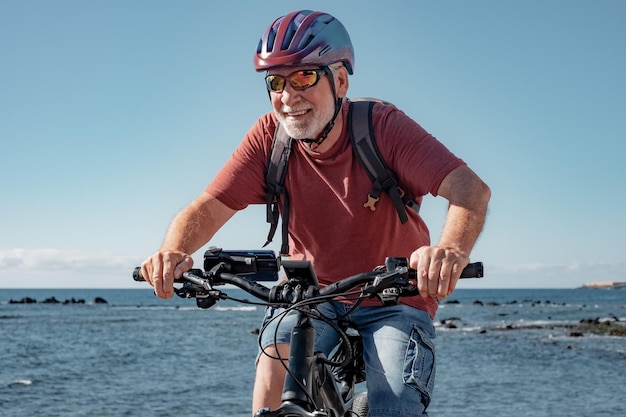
(295, 113)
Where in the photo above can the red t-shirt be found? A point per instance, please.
(328, 224)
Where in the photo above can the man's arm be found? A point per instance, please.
(193, 227)
(439, 267)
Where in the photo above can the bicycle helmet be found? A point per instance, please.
(304, 37)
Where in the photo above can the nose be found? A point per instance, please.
(289, 95)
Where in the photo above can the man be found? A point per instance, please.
(307, 57)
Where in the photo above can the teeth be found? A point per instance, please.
(295, 113)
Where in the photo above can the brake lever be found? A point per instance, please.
(188, 290)
(388, 286)
(192, 276)
(199, 288)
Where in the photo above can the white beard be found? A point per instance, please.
(312, 126)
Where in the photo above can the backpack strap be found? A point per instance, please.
(364, 146)
(275, 180)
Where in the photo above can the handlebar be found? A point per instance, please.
(390, 282)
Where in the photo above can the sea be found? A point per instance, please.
(500, 352)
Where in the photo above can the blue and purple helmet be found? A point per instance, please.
(304, 37)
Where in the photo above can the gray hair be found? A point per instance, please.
(335, 66)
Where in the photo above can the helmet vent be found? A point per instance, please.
(288, 38)
(270, 42)
(308, 41)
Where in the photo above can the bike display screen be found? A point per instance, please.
(253, 265)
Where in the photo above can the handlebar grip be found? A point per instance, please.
(137, 274)
(473, 270)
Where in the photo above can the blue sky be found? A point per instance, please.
(115, 114)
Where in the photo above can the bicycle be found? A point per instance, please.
(315, 385)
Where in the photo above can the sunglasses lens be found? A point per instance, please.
(275, 83)
(301, 80)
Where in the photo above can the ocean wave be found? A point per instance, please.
(235, 308)
(9, 317)
(157, 307)
(442, 328)
(19, 382)
(191, 307)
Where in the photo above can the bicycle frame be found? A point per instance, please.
(309, 382)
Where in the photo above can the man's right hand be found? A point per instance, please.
(162, 268)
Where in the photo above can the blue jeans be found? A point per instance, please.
(399, 353)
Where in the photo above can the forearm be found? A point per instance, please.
(196, 224)
(439, 266)
(469, 198)
(462, 227)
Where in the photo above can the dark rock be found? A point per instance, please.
(444, 321)
(74, 301)
(25, 300)
(450, 323)
(100, 300)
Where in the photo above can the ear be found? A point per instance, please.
(341, 82)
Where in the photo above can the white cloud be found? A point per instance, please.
(57, 268)
(64, 260)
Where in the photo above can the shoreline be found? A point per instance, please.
(606, 285)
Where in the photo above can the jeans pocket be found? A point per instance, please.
(419, 364)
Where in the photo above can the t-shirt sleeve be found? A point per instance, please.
(241, 181)
(420, 161)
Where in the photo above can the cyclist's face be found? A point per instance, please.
(303, 113)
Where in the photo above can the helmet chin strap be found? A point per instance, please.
(315, 143)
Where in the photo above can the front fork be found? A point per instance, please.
(299, 389)
(295, 399)
(299, 378)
